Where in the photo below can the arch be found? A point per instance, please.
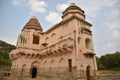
(35, 64)
(32, 55)
(79, 39)
(22, 53)
(24, 66)
(22, 39)
(37, 54)
(23, 70)
(52, 63)
(28, 55)
(34, 72)
(61, 62)
(52, 67)
(88, 43)
(45, 67)
(88, 69)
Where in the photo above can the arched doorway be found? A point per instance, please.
(34, 72)
(88, 73)
(34, 69)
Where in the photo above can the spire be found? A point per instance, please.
(73, 9)
(33, 24)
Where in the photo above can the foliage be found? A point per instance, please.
(109, 61)
(5, 62)
(5, 48)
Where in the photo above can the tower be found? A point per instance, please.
(63, 52)
(84, 50)
(27, 48)
(30, 35)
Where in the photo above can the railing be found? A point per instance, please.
(65, 42)
(89, 53)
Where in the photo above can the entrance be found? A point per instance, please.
(34, 72)
(70, 65)
(88, 72)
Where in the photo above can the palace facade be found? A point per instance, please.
(63, 52)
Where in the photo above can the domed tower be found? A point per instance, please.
(27, 48)
(84, 50)
(73, 10)
(30, 35)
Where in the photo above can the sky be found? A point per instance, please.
(104, 15)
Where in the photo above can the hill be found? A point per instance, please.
(5, 48)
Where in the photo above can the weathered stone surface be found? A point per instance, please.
(63, 52)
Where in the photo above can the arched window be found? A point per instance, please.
(23, 70)
(61, 62)
(35, 39)
(79, 40)
(51, 68)
(52, 63)
(88, 43)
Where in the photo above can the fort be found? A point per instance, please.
(63, 52)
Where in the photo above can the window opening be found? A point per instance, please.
(35, 39)
(70, 65)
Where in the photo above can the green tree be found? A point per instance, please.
(110, 61)
(99, 65)
(5, 49)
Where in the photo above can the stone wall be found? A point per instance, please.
(58, 73)
(61, 73)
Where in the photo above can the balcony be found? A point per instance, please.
(23, 52)
(89, 53)
(62, 47)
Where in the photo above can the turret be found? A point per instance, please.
(30, 34)
(73, 10)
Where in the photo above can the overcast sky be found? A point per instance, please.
(103, 14)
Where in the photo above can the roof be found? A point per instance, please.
(67, 11)
(33, 24)
(73, 7)
(66, 21)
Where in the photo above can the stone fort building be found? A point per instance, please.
(63, 52)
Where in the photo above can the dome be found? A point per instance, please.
(73, 9)
(33, 24)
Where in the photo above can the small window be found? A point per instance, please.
(35, 39)
(79, 39)
(70, 65)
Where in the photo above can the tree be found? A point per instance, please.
(99, 65)
(110, 61)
